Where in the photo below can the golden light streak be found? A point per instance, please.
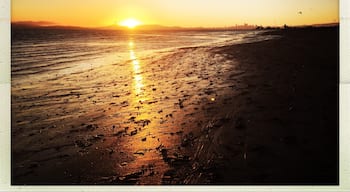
(138, 83)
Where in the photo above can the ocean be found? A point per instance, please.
(62, 51)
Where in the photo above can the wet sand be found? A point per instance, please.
(256, 113)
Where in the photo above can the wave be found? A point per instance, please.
(39, 51)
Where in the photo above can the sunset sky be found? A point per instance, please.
(185, 13)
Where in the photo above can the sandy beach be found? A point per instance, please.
(256, 113)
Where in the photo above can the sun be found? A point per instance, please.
(130, 23)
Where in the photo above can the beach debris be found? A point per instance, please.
(88, 141)
(124, 103)
(82, 143)
(134, 175)
(169, 115)
(132, 118)
(151, 173)
(91, 127)
(123, 179)
(187, 140)
(140, 152)
(159, 147)
(53, 126)
(110, 151)
(151, 102)
(134, 132)
(169, 176)
(143, 122)
(209, 91)
(96, 137)
(123, 163)
(138, 107)
(216, 124)
(189, 114)
(164, 153)
(176, 159)
(119, 133)
(179, 132)
(170, 173)
(181, 103)
(162, 120)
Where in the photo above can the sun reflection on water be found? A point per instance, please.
(138, 84)
(144, 143)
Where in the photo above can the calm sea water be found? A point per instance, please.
(38, 51)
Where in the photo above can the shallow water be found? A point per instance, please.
(113, 108)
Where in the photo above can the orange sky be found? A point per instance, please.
(186, 13)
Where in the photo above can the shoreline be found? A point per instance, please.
(251, 105)
(286, 124)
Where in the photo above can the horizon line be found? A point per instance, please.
(54, 24)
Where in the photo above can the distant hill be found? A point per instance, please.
(40, 24)
(46, 24)
(326, 25)
(32, 23)
(142, 28)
